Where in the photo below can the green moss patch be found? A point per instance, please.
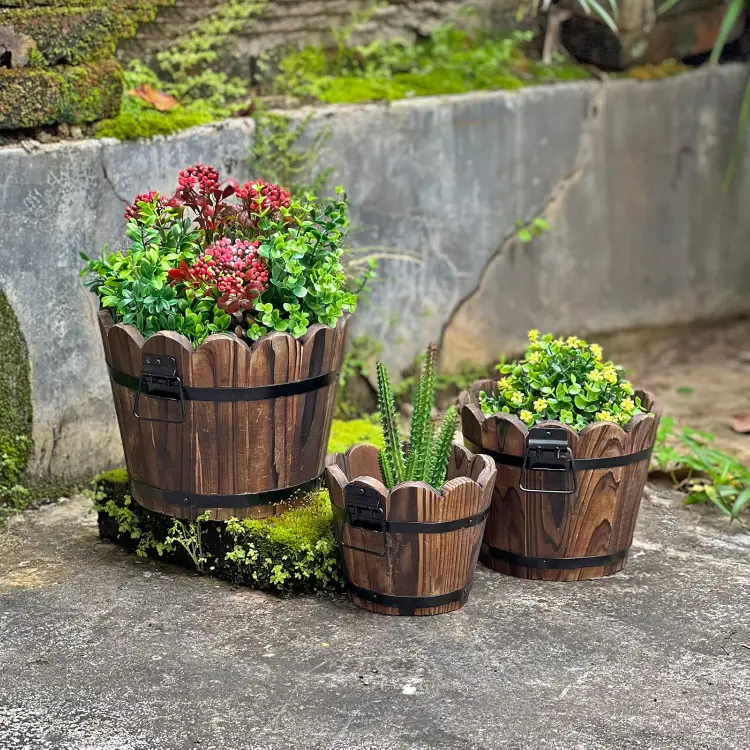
(293, 552)
(15, 408)
(344, 434)
(451, 61)
(77, 94)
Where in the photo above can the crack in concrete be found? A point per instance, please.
(583, 158)
(111, 184)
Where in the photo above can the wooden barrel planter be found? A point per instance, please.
(234, 429)
(411, 550)
(565, 503)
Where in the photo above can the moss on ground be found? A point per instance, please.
(344, 434)
(15, 408)
(77, 94)
(295, 551)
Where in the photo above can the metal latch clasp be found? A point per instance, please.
(362, 510)
(548, 450)
(159, 379)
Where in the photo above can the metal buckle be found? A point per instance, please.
(548, 450)
(362, 510)
(159, 379)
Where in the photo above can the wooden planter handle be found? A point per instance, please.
(230, 428)
(412, 550)
(548, 534)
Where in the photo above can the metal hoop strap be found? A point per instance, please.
(553, 563)
(579, 464)
(256, 393)
(405, 604)
(246, 500)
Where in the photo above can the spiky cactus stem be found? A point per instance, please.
(421, 434)
(393, 453)
(440, 452)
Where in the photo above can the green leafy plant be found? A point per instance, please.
(214, 256)
(705, 473)
(565, 380)
(190, 537)
(428, 453)
(531, 229)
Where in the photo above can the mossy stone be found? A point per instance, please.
(77, 94)
(15, 403)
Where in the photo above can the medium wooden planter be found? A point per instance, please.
(551, 518)
(410, 550)
(228, 428)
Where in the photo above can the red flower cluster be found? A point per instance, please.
(259, 197)
(233, 269)
(134, 212)
(205, 179)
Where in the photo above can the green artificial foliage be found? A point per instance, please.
(428, 452)
(565, 380)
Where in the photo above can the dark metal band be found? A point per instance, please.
(406, 604)
(422, 527)
(257, 393)
(579, 464)
(554, 563)
(247, 500)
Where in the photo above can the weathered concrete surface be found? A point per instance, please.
(627, 174)
(101, 651)
(56, 201)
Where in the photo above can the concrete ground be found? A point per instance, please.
(102, 651)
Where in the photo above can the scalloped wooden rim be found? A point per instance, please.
(485, 478)
(108, 324)
(467, 401)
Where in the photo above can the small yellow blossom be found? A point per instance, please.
(609, 374)
(594, 376)
(603, 416)
(535, 358)
(503, 383)
(533, 334)
(627, 404)
(516, 398)
(540, 405)
(596, 350)
(573, 341)
(526, 416)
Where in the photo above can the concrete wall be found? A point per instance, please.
(626, 173)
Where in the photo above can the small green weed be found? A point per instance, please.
(705, 473)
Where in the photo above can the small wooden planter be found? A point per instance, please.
(228, 428)
(550, 522)
(410, 550)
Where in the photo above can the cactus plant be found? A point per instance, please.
(428, 453)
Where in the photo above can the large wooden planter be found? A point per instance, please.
(411, 550)
(228, 428)
(551, 519)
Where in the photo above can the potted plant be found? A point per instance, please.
(410, 539)
(571, 440)
(223, 324)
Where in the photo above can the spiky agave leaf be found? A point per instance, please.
(419, 441)
(441, 449)
(393, 452)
